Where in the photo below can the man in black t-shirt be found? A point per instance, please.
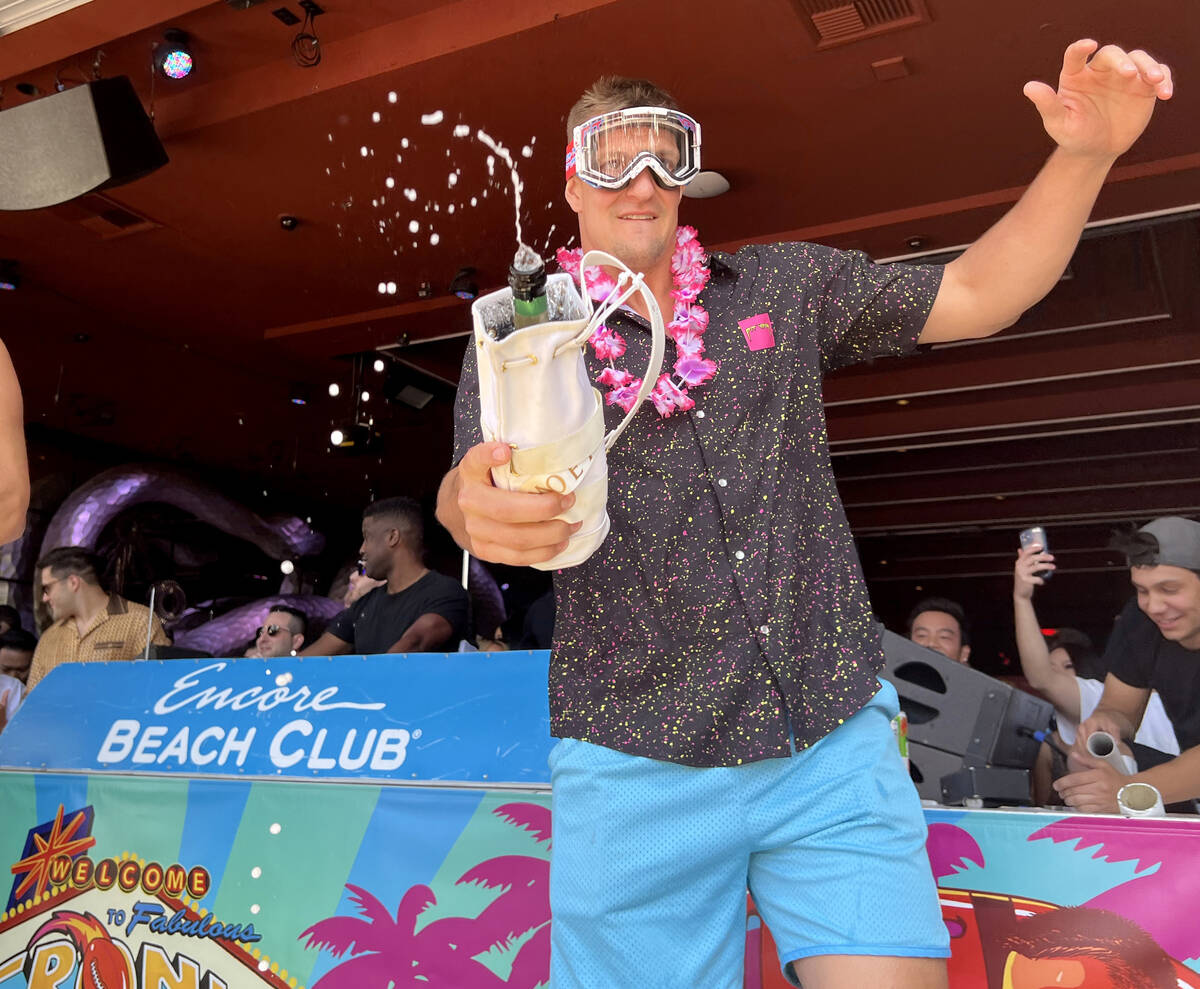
(416, 610)
(1154, 646)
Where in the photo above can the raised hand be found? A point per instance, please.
(1029, 561)
(1104, 103)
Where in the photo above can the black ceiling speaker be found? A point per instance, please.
(85, 138)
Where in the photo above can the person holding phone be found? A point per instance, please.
(1065, 669)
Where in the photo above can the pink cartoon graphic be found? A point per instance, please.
(394, 952)
(758, 331)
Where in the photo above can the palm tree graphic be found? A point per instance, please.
(391, 953)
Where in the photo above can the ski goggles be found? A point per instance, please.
(611, 150)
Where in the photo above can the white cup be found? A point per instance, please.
(1140, 800)
(1103, 746)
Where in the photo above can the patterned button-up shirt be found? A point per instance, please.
(118, 632)
(727, 604)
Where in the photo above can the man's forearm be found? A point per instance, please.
(1176, 780)
(1031, 644)
(1123, 718)
(1020, 259)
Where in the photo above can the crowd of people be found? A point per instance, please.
(394, 603)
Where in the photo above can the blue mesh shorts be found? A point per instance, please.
(652, 860)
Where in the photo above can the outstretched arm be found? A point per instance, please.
(429, 632)
(327, 645)
(1058, 686)
(14, 464)
(1100, 108)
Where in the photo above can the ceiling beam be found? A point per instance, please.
(1006, 481)
(961, 204)
(1090, 402)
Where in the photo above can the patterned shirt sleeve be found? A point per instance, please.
(42, 659)
(859, 309)
(467, 431)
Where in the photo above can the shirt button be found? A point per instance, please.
(723, 482)
(740, 555)
(699, 413)
(764, 629)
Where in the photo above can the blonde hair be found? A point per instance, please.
(610, 93)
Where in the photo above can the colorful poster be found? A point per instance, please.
(165, 870)
(1039, 899)
(168, 883)
(216, 884)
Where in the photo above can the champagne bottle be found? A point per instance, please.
(527, 279)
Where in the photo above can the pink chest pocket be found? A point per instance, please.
(758, 331)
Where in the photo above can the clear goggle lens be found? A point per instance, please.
(610, 150)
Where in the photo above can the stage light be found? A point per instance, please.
(10, 276)
(366, 395)
(463, 285)
(379, 365)
(354, 436)
(172, 57)
(335, 390)
(299, 393)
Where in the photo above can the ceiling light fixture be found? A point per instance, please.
(173, 56)
(334, 390)
(306, 46)
(379, 365)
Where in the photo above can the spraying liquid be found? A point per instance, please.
(518, 185)
(527, 274)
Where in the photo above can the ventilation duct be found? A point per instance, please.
(835, 22)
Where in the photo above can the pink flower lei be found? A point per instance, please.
(689, 272)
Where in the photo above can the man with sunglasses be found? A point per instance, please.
(281, 633)
(713, 681)
(90, 624)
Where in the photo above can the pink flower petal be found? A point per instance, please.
(568, 261)
(694, 371)
(599, 282)
(624, 397)
(613, 377)
(608, 345)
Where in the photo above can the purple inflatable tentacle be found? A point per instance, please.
(82, 517)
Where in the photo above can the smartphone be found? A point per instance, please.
(1036, 536)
